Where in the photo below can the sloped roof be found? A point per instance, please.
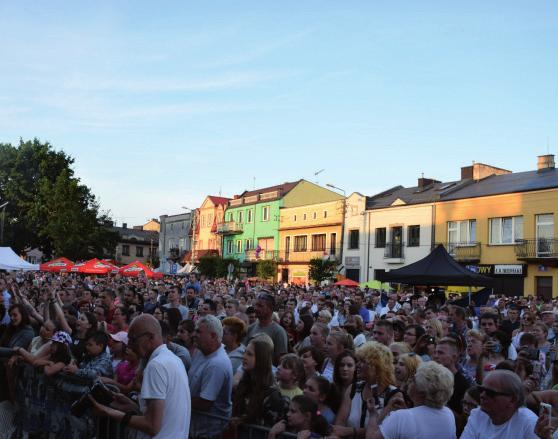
(467, 188)
(218, 200)
(283, 188)
(507, 184)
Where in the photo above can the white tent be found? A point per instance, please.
(10, 261)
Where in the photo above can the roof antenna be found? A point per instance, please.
(254, 183)
(220, 190)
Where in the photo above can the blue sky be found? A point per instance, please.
(162, 103)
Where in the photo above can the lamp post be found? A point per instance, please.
(3, 207)
(343, 221)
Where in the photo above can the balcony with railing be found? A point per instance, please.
(394, 252)
(543, 249)
(469, 251)
(261, 255)
(305, 256)
(229, 228)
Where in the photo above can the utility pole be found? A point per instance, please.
(3, 207)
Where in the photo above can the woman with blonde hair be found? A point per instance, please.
(375, 368)
(405, 369)
(474, 359)
(430, 391)
(434, 328)
(398, 348)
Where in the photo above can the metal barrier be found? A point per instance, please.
(109, 429)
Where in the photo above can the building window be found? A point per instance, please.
(172, 226)
(333, 243)
(319, 242)
(240, 216)
(139, 251)
(239, 246)
(249, 215)
(315, 215)
(353, 239)
(294, 218)
(230, 216)
(202, 221)
(249, 244)
(125, 250)
(380, 241)
(265, 213)
(464, 232)
(230, 247)
(413, 236)
(300, 243)
(181, 244)
(325, 213)
(506, 230)
(304, 217)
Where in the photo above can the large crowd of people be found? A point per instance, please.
(84, 357)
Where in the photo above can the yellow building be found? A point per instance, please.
(503, 225)
(308, 232)
(205, 239)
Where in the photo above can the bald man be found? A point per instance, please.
(501, 413)
(164, 409)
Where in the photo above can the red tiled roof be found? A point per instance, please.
(283, 188)
(218, 200)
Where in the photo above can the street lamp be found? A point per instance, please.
(3, 207)
(338, 188)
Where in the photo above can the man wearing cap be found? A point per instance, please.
(264, 311)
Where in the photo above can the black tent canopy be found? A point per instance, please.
(438, 268)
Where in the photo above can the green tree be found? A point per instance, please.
(321, 269)
(223, 268)
(48, 207)
(208, 266)
(266, 269)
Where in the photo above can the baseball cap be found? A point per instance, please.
(62, 337)
(121, 336)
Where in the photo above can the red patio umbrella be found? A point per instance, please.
(346, 283)
(135, 268)
(93, 266)
(57, 265)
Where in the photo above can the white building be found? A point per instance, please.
(389, 230)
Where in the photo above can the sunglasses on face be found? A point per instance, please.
(492, 393)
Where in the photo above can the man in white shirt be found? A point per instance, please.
(391, 306)
(165, 407)
(501, 413)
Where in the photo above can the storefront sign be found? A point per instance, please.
(352, 261)
(508, 269)
(498, 269)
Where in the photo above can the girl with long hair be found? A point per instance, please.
(303, 418)
(256, 390)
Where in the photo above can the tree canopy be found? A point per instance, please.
(321, 269)
(49, 208)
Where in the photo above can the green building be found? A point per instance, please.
(250, 230)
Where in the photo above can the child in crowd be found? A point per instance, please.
(97, 361)
(290, 374)
(321, 391)
(304, 418)
(58, 354)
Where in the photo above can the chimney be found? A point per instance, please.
(545, 162)
(478, 171)
(124, 225)
(424, 182)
